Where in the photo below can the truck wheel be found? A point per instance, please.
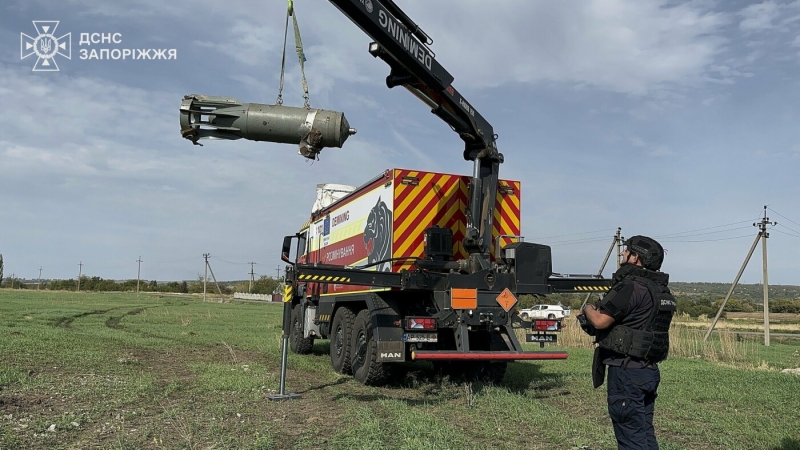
(366, 368)
(299, 344)
(524, 316)
(341, 340)
(551, 316)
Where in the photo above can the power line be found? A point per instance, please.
(790, 220)
(575, 234)
(679, 235)
(708, 228)
(579, 241)
(712, 240)
(193, 258)
(788, 234)
(228, 262)
(784, 226)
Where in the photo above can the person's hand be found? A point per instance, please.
(586, 326)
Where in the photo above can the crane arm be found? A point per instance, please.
(403, 45)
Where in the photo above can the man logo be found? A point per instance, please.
(45, 46)
(391, 355)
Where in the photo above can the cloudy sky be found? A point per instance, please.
(674, 119)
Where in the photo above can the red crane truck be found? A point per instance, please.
(418, 265)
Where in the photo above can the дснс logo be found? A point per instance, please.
(45, 46)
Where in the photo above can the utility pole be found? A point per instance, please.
(762, 235)
(205, 278)
(620, 242)
(80, 270)
(762, 227)
(138, 274)
(12, 281)
(616, 241)
(205, 275)
(252, 278)
(39, 281)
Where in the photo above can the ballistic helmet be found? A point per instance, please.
(649, 251)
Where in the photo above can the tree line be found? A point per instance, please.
(263, 285)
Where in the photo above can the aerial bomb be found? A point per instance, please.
(214, 117)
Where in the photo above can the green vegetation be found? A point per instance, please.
(113, 371)
(263, 285)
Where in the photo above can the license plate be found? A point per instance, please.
(541, 338)
(420, 337)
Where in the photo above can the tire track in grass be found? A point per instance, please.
(114, 322)
(66, 321)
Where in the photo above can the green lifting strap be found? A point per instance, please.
(301, 57)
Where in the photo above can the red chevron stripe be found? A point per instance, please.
(408, 223)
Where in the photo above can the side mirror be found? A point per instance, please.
(286, 249)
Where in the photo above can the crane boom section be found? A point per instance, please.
(414, 66)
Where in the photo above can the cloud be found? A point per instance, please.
(636, 141)
(249, 43)
(623, 46)
(759, 17)
(662, 151)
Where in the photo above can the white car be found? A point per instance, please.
(544, 312)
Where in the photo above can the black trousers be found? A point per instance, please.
(631, 401)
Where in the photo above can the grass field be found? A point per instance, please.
(97, 371)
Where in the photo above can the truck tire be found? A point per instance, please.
(341, 340)
(524, 316)
(551, 316)
(366, 368)
(299, 344)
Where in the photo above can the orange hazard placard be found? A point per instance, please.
(506, 299)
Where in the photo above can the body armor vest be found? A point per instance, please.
(650, 344)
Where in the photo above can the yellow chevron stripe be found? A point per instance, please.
(355, 292)
(400, 188)
(287, 292)
(511, 198)
(400, 209)
(589, 288)
(417, 222)
(323, 278)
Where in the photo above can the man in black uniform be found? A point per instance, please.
(631, 327)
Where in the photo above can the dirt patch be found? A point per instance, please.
(17, 404)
